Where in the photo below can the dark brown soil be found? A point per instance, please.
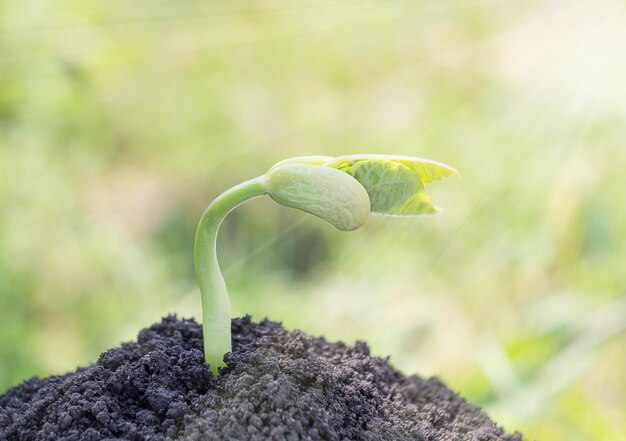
(279, 385)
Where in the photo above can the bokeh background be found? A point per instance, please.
(120, 121)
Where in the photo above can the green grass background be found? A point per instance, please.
(120, 121)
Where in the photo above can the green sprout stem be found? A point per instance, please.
(343, 191)
(215, 300)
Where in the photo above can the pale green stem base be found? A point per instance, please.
(215, 301)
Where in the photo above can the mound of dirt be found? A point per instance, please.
(279, 385)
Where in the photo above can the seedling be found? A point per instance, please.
(343, 191)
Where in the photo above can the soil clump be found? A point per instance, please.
(279, 385)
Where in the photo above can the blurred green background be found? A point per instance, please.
(120, 121)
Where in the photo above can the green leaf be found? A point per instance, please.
(393, 188)
(427, 170)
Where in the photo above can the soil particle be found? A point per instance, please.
(279, 385)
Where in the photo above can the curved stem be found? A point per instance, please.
(215, 301)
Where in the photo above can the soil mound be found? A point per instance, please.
(280, 385)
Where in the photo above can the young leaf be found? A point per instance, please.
(393, 188)
(427, 170)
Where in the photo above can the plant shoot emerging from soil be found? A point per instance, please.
(343, 191)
